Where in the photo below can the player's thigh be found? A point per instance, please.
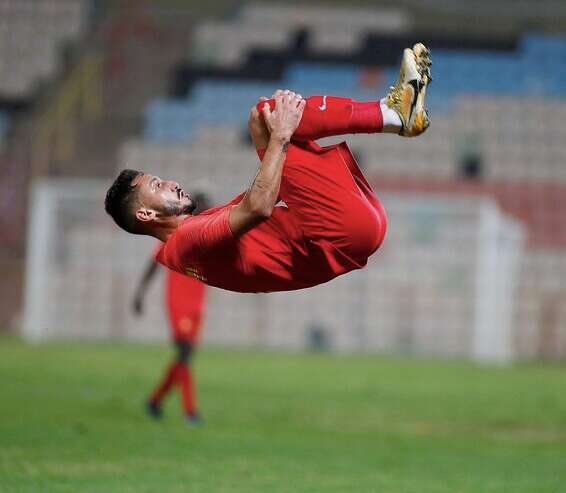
(328, 204)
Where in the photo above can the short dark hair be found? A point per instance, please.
(119, 201)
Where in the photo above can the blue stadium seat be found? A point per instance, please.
(338, 75)
(535, 70)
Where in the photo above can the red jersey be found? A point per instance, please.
(185, 296)
(301, 245)
(185, 299)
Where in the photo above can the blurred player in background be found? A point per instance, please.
(185, 299)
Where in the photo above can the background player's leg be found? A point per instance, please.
(185, 380)
(154, 402)
(325, 116)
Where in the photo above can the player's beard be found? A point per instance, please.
(179, 209)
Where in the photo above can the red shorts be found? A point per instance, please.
(185, 327)
(185, 300)
(333, 203)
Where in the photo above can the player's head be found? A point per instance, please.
(140, 203)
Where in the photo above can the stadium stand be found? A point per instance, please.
(497, 104)
(36, 38)
(31, 35)
(357, 21)
(235, 41)
(4, 127)
(485, 138)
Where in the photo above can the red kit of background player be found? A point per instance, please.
(185, 298)
(185, 301)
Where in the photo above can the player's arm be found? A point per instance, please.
(148, 275)
(258, 202)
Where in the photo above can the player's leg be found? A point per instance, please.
(326, 116)
(154, 402)
(185, 381)
(332, 201)
(402, 111)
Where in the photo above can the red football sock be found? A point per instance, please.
(184, 380)
(165, 384)
(325, 116)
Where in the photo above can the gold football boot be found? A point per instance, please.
(407, 96)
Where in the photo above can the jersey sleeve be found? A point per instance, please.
(199, 238)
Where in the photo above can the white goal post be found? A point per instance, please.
(443, 284)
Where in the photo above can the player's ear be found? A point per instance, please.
(145, 215)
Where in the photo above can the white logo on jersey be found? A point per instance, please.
(322, 107)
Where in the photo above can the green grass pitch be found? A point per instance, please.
(71, 420)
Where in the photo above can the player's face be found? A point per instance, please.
(164, 198)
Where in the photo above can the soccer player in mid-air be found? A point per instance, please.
(309, 214)
(185, 299)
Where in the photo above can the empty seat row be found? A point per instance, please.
(31, 36)
(4, 127)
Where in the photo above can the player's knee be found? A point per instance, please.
(367, 233)
(261, 103)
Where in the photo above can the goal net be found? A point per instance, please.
(443, 283)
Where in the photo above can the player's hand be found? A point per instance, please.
(282, 92)
(257, 127)
(255, 121)
(286, 116)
